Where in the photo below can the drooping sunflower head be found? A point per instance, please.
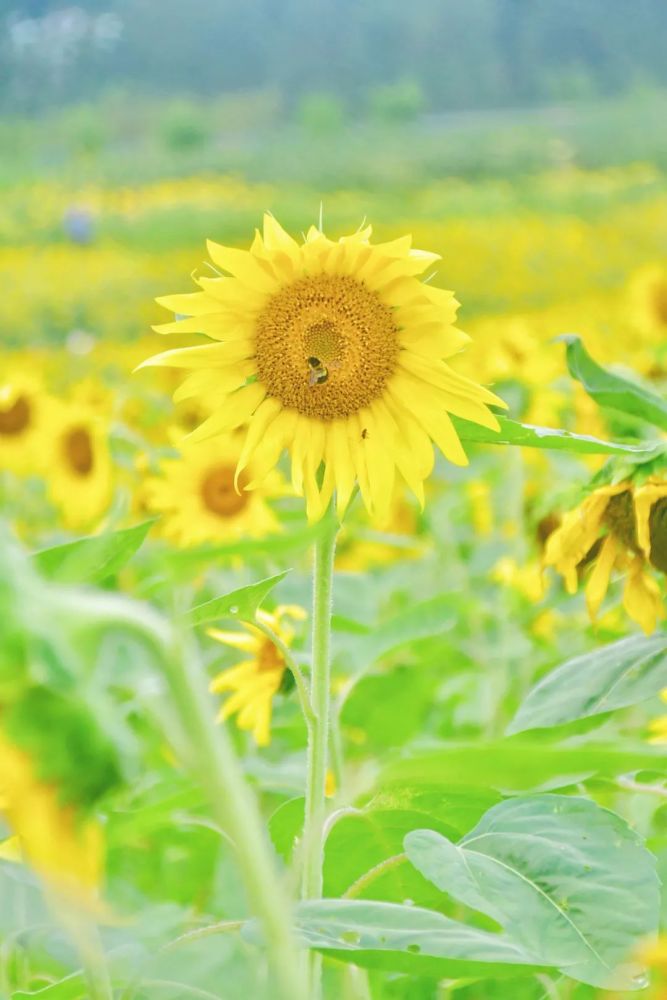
(202, 500)
(335, 351)
(620, 526)
(254, 682)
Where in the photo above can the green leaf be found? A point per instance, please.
(517, 764)
(569, 881)
(526, 436)
(406, 938)
(421, 621)
(608, 389)
(457, 805)
(241, 603)
(286, 824)
(93, 558)
(361, 841)
(620, 674)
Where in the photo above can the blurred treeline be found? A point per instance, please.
(377, 57)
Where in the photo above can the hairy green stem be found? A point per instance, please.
(318, 734)
(313, 833)
(294, 668)
(236, 811)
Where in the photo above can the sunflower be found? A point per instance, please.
(619, 526)
(23, 406)
(334, 351)
(80, 471)
(647, 298)
(197, 496)
(256, 681)
(66, 850)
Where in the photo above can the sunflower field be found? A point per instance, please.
(333, 569)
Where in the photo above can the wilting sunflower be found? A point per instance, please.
(65, 849)
(621, 526)
(198, 498)
(256, 681)
(333, 350)
(79, 470)
(23, 406)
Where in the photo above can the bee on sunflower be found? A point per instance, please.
(197, 496)
(254, 682)
(619, 526)
(335, 351)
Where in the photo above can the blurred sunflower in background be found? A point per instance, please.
(201, 499)
(333, 350)
(254, 682)
(80, 470)
(23, 421)
(618, 527)
(64, 848)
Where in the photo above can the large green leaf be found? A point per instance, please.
(407, 938)
(427, 618)
(360, 841)
(608, 389)
(517, 764)
(241, 603)
(94, 558)
(622, 673)
(526, 436)
(569, 881)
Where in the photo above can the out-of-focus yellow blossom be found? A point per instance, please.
(253, 683)
(359, 550)
(23, 420)
(202, 501)
(527, 580)
(622, 526)
(481, 509)
(647, 299)
(78, 466)
(65, 849)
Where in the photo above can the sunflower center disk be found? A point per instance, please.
(16, 418)
(660, 302)
(79, 451)
(326, 346)
(269, 658)
(219, 494)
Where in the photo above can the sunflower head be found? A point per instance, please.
(79, 470)
(254, 682)
(334, 351)
(23, 403)
(620, 526)
(201, 498)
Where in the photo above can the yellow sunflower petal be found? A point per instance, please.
(641, 597)
(598, 582)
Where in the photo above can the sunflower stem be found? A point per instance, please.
(300, 681)
(236, 811)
